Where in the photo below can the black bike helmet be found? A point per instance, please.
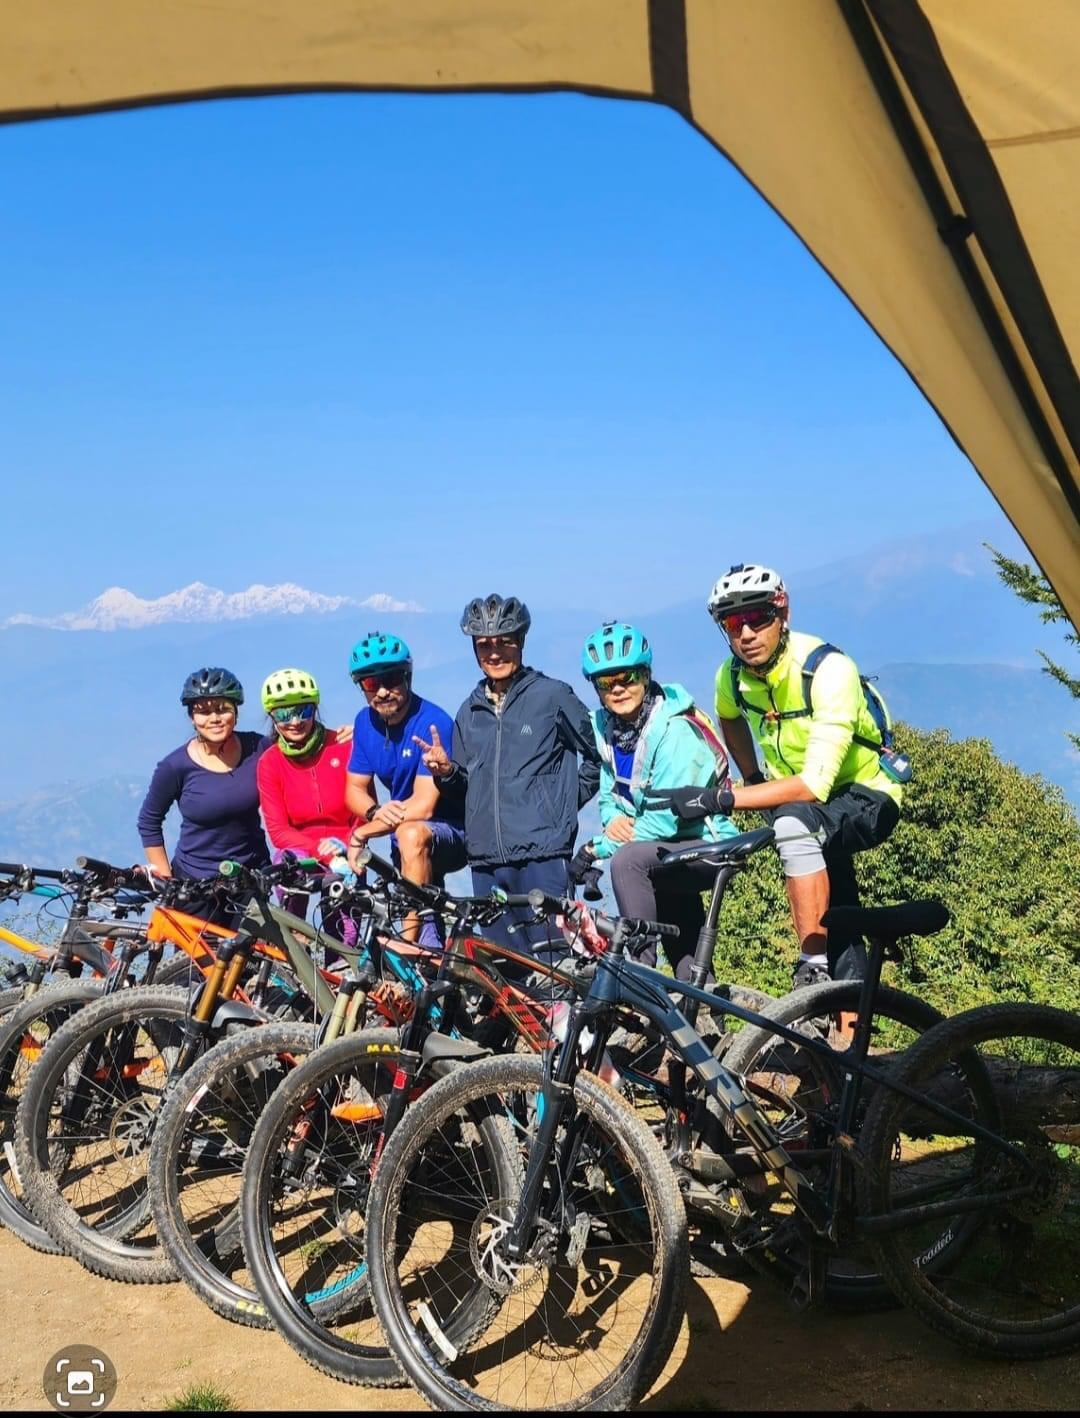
(212, 683)
(495, 616)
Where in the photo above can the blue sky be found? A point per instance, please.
(433, 346)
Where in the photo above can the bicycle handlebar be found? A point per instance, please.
(606, 926)
(134, 878)
(288, 869)
(17, 869)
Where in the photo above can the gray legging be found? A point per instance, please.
(672, 896)
(812, 836)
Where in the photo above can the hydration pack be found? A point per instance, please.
(893, 764)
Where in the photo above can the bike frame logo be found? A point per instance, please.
(79, 1379)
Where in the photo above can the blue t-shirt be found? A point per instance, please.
(624, 768)
(387, 752)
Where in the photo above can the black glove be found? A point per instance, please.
(590, 885)
(581, 863)
(584, 872)
(690, 804)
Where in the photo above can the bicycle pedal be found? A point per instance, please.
(799, 1296)
(809, 1284)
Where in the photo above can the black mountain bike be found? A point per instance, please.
(558, 1280)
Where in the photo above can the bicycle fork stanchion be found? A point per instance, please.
(220, 984)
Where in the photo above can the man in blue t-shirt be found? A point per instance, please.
(426, 831)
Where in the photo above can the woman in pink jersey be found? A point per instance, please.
(301, 776)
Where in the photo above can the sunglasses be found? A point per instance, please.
(213, 706)
(618, 678)
(290, 712)
(753, 620)
(392, 679)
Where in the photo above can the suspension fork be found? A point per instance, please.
(220, 984)
(410, 1059)
(555, 1094)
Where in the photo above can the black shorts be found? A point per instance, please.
(854, 818)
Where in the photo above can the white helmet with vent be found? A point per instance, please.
(744, 587)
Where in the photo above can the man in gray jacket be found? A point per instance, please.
(518, 739)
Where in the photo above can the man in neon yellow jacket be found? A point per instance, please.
(831, 786)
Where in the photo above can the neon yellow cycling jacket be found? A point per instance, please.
(818, 747)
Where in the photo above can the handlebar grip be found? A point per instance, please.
(553, 905)
(230, 870)
(137, 878)
(659, 928)
(379, 865)
(17, 869)
(94, 866)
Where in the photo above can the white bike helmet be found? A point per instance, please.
(744, 587)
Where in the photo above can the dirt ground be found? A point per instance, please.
(741, 1349)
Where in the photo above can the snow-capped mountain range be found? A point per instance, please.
(119, 609)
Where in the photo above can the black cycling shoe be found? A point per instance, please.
(807, 973)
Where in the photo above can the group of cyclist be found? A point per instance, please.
(499, 788)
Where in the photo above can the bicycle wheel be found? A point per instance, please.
(84, 1124)
(1014, 1290)
(798, 1093)
(201, 1138)
(304, 1203)
(23, 1035)
(589, 1315)
(10, 998)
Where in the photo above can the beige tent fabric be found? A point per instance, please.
(778, 85)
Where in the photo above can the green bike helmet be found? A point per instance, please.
(615, 646)
(285, 687)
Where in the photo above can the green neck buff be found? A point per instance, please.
(311, 744)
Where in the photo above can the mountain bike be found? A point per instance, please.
(202, 1133)
(582, 1262)
(92, 958)
(85, 1119)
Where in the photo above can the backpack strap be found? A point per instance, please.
(706, 731)
(874, 703)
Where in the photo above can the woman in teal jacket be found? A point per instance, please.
(649, 734)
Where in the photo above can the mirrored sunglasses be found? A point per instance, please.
(288, 713)
(605, 683)
(371, 684)
(756, 619)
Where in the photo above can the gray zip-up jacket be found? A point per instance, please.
(519, 773)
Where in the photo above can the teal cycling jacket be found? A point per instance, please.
(670, 754)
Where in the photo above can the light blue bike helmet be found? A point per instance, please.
(377, 652)
(614, 646)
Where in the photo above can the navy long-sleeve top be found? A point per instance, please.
(219, 812)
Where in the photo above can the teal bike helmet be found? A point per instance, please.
(377, 652)
(614, 646)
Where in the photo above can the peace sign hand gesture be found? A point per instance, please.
(436, 759)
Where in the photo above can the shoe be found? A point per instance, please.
(807, 973)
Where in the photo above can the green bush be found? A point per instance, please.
(1001, 848)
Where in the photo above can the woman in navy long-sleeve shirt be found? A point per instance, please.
(212, 780)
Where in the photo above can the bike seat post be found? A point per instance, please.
(864, 1019)
(706, 941)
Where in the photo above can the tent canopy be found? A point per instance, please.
(928, 154)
